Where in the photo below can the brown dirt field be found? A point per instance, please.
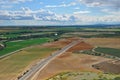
(60, 43)
(81, 46)
(71, 62)
(104, 42)
(110, 66)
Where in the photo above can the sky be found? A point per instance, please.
(59, 12)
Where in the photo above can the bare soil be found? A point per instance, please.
(81, 46)
(104, 42)
(74, 62)
(111, 66)
(71, 62)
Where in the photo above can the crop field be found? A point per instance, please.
(92, 34)
(15, 35)
(110, 51)
(3, 30)
(36, 43)
(104, 42)
(10, 29)
(103, 29)
(6, 30)
(15, 65)
(12, 46)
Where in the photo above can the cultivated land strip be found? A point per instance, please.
(12, 53)
(20, 49)
(36, 69)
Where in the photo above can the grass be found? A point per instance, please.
(110, 51)
(84, 76)
(13, 46)
(12, 66)
(102, 51)
(18, 34)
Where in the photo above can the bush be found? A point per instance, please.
(117, 78)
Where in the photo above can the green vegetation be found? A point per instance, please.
(18, 33)
(110, 51)
(84, 76)
(27, 33)
(117, 78)
(102, 51)
(12, 46)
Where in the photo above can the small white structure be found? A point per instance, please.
(56, 34)
(1, 45)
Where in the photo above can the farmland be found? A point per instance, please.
(25, 59)
(99, 29)
(37, 43)
(16, 64)
(110, 51)
(13, 46)
(71, 62)
(104, 42)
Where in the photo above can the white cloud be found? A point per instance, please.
(96, 19)
(76, 8)
(46, 15)
(28, 14)
(109, 12)
(13, 1)
(115, 4)
(61, 5)
(81, 12)
(41, 3)
(6, 6)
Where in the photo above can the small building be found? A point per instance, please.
(1, 46)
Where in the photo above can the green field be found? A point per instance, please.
(99, 51)
(110, 51)
(12, 46)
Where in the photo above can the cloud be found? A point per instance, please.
(41, 3)
(81, 12)
(76, 8)
(61, 5)
(6, 6)
(111, 18)
(13, 1)
(115, 4)
(45, 15)
(108, 11)
(28, 14)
